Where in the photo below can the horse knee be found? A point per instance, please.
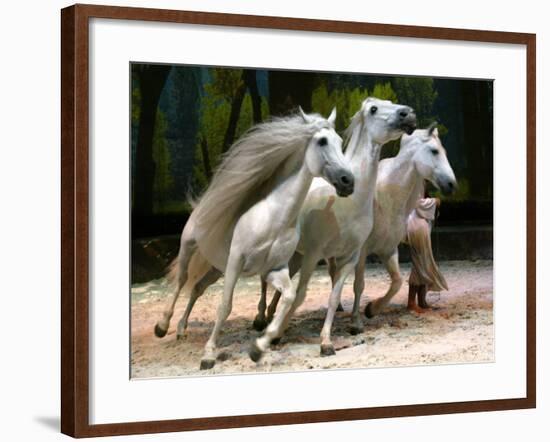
(397, 281)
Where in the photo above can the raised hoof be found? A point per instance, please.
(327, 350)
(160, 332)
(340, 307)
(276, 341)
(368, 311)
(207, 364)
(259, 324)
(355, 330)
(255, 353)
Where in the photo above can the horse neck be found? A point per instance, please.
(401, 183)
(364, 158)
(290, 187)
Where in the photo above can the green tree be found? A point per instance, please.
(419, 93)
(218, 117)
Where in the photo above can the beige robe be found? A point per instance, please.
(424, 269)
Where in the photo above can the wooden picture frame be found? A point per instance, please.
(75, 219)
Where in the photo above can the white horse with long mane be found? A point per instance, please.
(400, 184)
(334, 227)
(245, 222)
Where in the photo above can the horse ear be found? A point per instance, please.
(304, 115)
(332, 117)
(432, 129)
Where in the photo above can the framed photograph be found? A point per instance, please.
(263, 217)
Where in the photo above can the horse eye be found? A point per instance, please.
(373, 109)
(323, 141)
(435, 151)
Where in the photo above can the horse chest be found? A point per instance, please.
(272, 253)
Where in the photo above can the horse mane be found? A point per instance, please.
(352, 133)
(246, 168)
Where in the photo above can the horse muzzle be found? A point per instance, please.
(344, 183)
(407, 120)
(448, 187)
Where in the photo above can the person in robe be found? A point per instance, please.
(425, 274)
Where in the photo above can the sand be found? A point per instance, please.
(459, 328)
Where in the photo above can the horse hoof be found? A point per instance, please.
(355, 330)
(160, 332)
(368, 311)
(340, 307)
(259, 324)
(180, 337)
(327, 350)
(255, 352)
(276, 341)
(207, 364)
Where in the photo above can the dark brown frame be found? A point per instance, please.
(74, 219)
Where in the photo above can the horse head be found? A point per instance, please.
(324, 157)
(385, 121)
(430, 158)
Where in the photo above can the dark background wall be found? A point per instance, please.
(185, 117)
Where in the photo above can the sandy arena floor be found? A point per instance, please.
(459, 329)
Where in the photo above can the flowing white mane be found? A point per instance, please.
(352, 134)
(246, 168)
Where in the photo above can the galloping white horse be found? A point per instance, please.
(245, 223)
(399, 186)
(334, 227)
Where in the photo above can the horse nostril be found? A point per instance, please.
(345, 180)
(403, 114)
(451, 187)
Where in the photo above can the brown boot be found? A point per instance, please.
(411, 304)
(422, 292)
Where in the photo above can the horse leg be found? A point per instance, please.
(232, 272)
(188, 246)
(327, 348)
(273, 306)
(356, 326)
(331, 264)
(206, 281)
(308, 266)
(260, 322)
(280, 280)
(392, 266)
(293, 267)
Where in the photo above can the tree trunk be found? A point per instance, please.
(478, 137)
(151, 82)
(236, 104)
(206, 158)
(252, 85)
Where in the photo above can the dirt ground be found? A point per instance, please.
(458, 329)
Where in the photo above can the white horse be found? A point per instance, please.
(245, 222)
(399, 185)
(334, 227)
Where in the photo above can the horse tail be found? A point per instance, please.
(173, 271)
(198, 267)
